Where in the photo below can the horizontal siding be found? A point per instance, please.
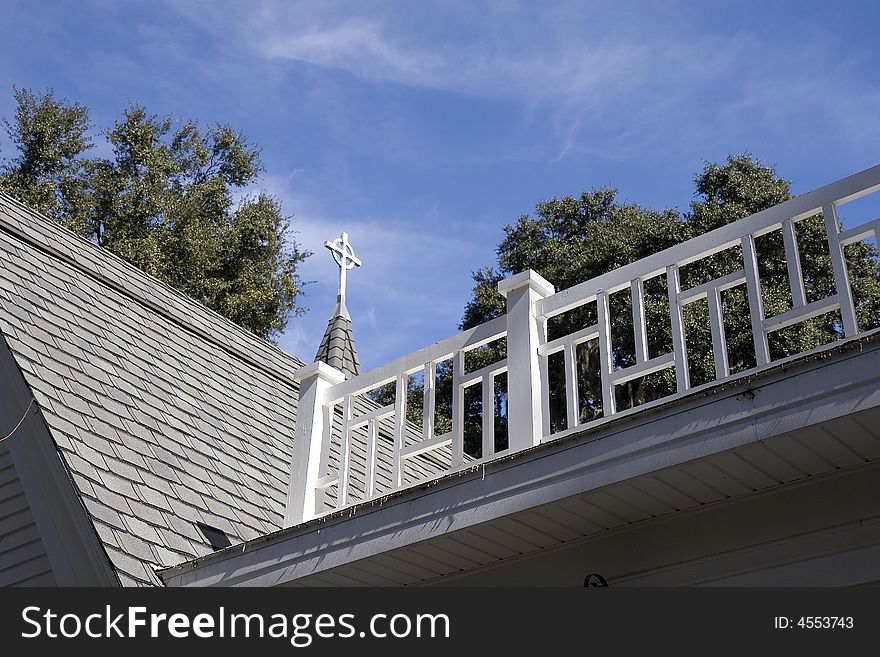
(21, 553)
(23, 559)
(40, 579)
(26, 534)
(36, 572)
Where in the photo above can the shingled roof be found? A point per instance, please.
(337, 347)
(165, 414)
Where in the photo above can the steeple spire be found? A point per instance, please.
(337, 348)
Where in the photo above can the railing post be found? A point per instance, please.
(314, 380)
(524, 381)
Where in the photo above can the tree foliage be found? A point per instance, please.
(50, 137)
(164, 201)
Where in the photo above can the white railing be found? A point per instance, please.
(331, 409)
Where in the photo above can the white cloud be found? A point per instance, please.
(356, 46)
(624, 81)
(551, 61)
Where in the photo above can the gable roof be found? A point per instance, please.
(164, 413)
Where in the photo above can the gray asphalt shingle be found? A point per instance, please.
(142, 389)
(337, 347)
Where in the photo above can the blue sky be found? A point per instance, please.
(422, 128)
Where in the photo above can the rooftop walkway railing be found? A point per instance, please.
(335, 453)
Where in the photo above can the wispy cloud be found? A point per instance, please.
(357, 46)
(560, 69)
(613, 79)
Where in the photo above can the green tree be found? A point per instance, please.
(50, 137)
(568, 241)
(163, 201)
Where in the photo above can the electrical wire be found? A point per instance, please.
(26, 411)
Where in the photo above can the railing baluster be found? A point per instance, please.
(571, 390)
(679, 347)
(719, 341)
(756, 304)
(543, 372)
(793, 260)
(399, 429)
(327, 411)
(428, 404)
(345, 452)
(457, 409)
(841, 276)
(370, 483)
(639, 326)
(609, 406)
(488, 425)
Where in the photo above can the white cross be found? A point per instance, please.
(343, 254)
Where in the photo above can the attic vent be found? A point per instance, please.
(216, 538)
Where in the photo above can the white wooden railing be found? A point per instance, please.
(331, 409)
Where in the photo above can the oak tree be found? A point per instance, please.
(164, 199)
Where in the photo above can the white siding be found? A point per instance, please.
(23, 560)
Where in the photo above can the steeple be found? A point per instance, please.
(337, 348)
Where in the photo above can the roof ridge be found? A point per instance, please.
(178, 307)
